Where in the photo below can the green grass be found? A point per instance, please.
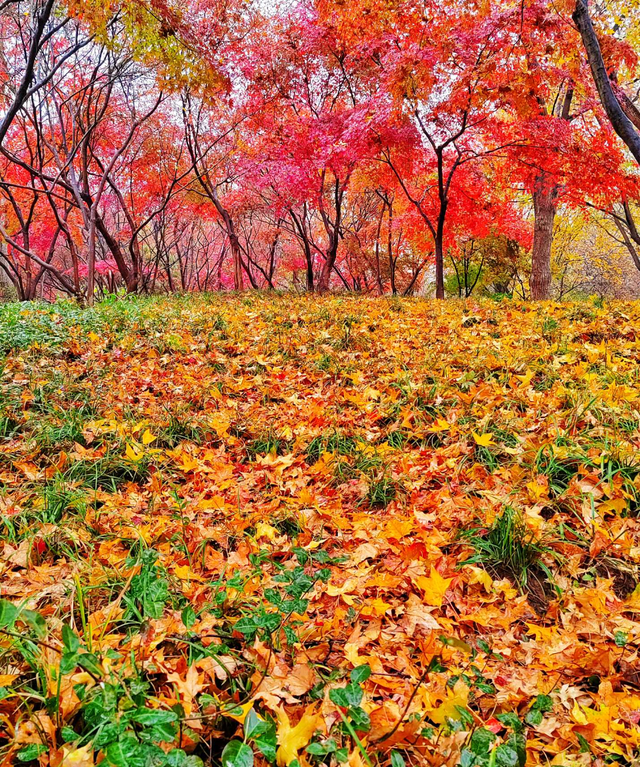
(382, 490)
(332, 443)
(508, 548)
(560, 471)
(108, 473)
(396, 439)
(180, 429)
(58, 498)
(266, 444)
(62, 428)
(8, 426)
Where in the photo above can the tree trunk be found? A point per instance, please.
(309, 263)
(545, 197)
(39, 27)
(629, 232)
(236, 251)
(91, 258)
(392, 260)
(377, 251)
(620, 121)
(438, 242)
(97, 225)
(325, 273)
(330, 259)
(238, 278)
(439, 255)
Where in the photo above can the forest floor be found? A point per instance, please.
(253, 529)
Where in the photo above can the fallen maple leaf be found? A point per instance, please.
(434, 587)
(448, 709)
(190, 685)
(78, 757)
(148, 437)
(418, 616)
(292, 740)
(301, 679)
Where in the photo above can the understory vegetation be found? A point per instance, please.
(314, 530)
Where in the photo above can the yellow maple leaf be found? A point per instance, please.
(291, 740)
(265, 530)
(377, 606)
(78, 757)
(542, 633)
(478, 575)
(355, 759)
(217, 502)
(407, 419)
(133, 454)
(526, 378)
(185, 573)
(148, 437)
(564, 759)
(484, 440)
(398, 528)
(347, 587)
(448, 709)
(220, 422)
(633, 602)
(434, 587)
(603, 719)
(537, 489)
(188, 463)
(613, 506)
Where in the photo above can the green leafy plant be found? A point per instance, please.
(149, 589)
(485, 749)
(349, 698)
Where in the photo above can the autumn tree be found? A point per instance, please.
(621, 111)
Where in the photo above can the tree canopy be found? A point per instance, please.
(365, 146)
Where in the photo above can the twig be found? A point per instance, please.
(406, 708)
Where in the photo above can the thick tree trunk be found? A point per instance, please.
(545, 201)
(236, 251)
(545, 204)
(325, 273)
(620, 121)
(332, 229)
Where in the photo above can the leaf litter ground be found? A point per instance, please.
(254, 530)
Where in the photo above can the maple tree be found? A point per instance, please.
(327, 148)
